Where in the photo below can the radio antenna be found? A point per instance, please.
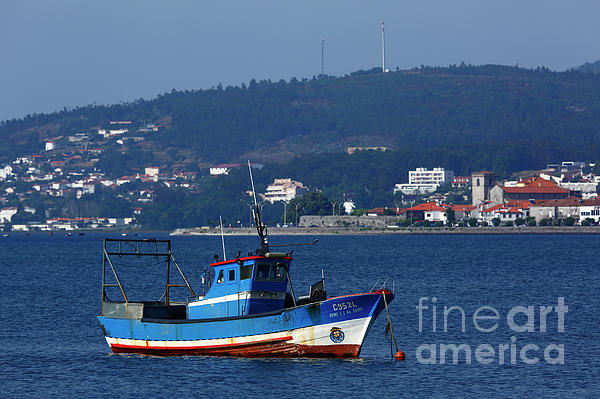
(222, 237)
(260, 227)
(382, 47)
(322, 57)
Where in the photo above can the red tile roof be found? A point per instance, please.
(493, 208)
(591, 202)
(462, 207)
(523, 204)
(535, 190)
(428, 206)
(536, 185)
(571, 201)
(511, 210)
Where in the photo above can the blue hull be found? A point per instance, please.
(334, 327)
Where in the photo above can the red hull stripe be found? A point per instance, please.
(199, 347)
(272, 349)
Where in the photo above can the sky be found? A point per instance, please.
(69, 53)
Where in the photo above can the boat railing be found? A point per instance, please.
(382, 284)
(139, 248)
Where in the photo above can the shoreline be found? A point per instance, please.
(293, 231)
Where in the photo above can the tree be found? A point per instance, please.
(22, 217)
(585, 222)
(569, 221)
(312, 203)
(496, 222)
(359, 212)
(450, 217)
(519, 221)
(472, 222)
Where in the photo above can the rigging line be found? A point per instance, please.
(389, 322)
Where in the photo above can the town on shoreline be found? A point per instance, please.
(324, 231)
(42, 194)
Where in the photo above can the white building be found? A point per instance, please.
(49, 145)
(23, 160)
(430, 211)
(437, 176)
(503, 212)
(588, 189)
(6, 214)
(415, 189)
(151, 171)
(111, 132)
(590, 209)
(284, 190)
(348, 207)
(29, 209)
(222, 169)
(6, 172)
(424, 181)
(566, 166)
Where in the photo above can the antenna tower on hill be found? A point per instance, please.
(322, 57)
(383, 47)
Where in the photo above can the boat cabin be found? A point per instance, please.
(238, 287)
(245, 286)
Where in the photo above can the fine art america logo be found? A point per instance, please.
(486, 319)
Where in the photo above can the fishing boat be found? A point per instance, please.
(247, 307)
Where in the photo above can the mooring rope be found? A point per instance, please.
(399, 355)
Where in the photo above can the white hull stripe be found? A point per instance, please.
(353, 332)
(242, 296)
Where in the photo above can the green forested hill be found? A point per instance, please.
(462, 117)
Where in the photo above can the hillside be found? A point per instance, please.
(593, 67)
(465, 116)
(91, 161)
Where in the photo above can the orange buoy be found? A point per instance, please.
(399, 355)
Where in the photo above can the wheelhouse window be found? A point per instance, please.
(262, 271)
(246, 272)
(270, 272)
(221, 278)
(277, 272)
(231, 275)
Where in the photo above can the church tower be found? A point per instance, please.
(481, 184)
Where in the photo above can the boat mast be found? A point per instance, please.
(222, 237)
(260, 227)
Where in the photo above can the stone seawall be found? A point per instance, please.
(311, 231)
(348, 221)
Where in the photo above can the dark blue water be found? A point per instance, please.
(52, 344)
